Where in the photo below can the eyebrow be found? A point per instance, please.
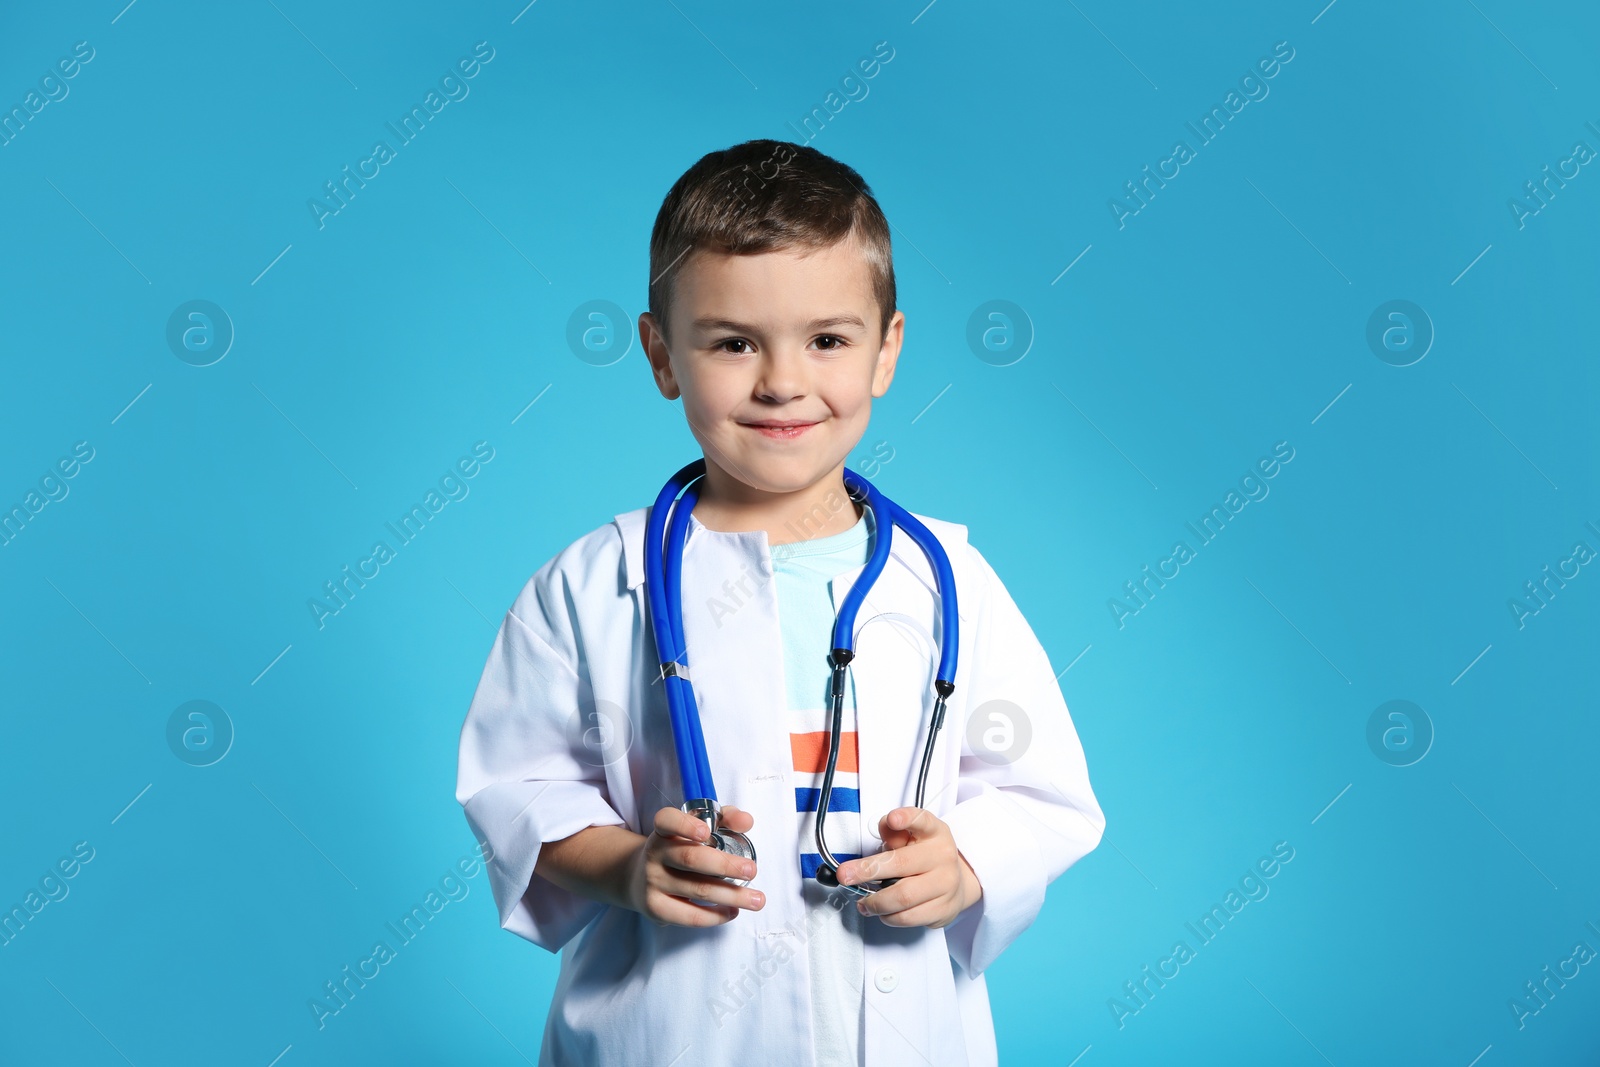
(815, 324)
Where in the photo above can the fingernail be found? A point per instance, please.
(747, 870)
(759, 898)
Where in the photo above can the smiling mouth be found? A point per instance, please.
(780, 431)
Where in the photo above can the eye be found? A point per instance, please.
(718, 347)
(838, 342)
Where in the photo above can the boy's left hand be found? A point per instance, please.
(936, 884)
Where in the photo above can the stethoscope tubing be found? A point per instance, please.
(666, 613)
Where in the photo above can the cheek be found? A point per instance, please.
(709, 399)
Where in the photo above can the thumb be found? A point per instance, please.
(895, 827)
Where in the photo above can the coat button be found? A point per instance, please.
(886, 979)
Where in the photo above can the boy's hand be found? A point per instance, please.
(936, 884)
(674, 867)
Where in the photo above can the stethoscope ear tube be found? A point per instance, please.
(681, 712)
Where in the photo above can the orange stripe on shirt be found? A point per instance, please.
(811, 751)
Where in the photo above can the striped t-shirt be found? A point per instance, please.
(806, 614)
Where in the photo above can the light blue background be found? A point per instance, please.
(1227, 315)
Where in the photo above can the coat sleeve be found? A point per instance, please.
(1024, 809)
(524, 775)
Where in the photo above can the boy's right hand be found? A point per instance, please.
(675, 866)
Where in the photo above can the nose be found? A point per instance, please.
(782, 375)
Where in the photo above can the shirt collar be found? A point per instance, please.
(631, 525)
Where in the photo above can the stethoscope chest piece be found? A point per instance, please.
(722, 839)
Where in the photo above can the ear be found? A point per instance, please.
(888, 354)
(654, 342)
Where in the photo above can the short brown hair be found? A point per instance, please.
(764, 196)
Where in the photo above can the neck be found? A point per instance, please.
(727, 505)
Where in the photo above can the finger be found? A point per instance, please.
(711, 890)
(904, 895)
(908, 824)
(675, 822)
(927, 913)
(676, 911)
(704, 859)
(737, 818)
(918, 857)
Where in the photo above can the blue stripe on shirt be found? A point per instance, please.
(839, 799)
(811, 861)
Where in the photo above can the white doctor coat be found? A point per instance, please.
(568, 729)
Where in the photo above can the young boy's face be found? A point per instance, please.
(778, 336)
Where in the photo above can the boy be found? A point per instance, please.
(772, 315)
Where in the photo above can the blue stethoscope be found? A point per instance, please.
(663, 571)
